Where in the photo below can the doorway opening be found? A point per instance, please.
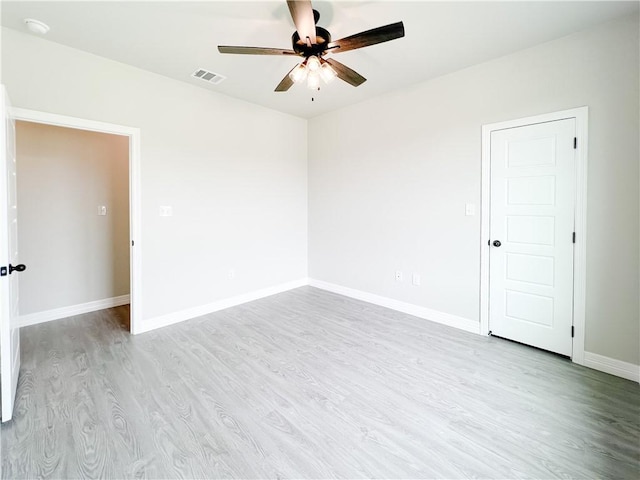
(80, 198)
(73, 201)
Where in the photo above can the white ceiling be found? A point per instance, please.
(176, 38)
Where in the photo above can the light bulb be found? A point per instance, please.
(313, 63)
(327, 73)
(313, 80)
(298, 74)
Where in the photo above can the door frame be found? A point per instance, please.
(581, 116)
(135, 238)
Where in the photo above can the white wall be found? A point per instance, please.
(389, 179)
(234, 173)
(74, 256)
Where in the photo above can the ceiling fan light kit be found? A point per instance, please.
(327, 73)
(313, 42)
(313, 81)
(312, 70)
(313, 64)
(299, 73)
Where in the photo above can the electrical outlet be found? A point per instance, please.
(102, 210)
(398, 276)
(166, 211)
(416, 279)
(231, 274)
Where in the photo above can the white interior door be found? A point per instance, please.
(531, 230)
(9, 267)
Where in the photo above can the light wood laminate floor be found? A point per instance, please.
(309, 384)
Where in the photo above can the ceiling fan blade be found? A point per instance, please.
(302, 15)
(285, 83)
(370, 37)
(345, 73)
(255, 50)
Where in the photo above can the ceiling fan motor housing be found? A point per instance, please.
(323, 38)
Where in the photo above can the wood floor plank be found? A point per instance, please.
(309, 384)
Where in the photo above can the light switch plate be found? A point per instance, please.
(470, 209)
(416, 279)
(166, 211)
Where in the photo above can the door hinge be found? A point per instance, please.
(3, 271)
(132, 243)
(575, 142)
(574, 237)
(573, 331)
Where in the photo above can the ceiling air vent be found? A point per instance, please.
(208, 76)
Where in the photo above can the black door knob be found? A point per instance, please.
(496, 243)
(18, 268)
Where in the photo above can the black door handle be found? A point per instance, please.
(497, 243)
(21, 267)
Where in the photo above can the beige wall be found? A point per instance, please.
(388, 191)
(73, 255)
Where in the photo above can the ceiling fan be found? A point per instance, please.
(313, 42)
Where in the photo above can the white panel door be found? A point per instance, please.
(532, 225)
(9, 267)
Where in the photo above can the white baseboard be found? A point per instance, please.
(188, 314)
(415, 310)
(591, 360)
(612, 366)
(64, 312)
(609, 365)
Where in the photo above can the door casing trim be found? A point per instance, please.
(581, 116)
(135, 219)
